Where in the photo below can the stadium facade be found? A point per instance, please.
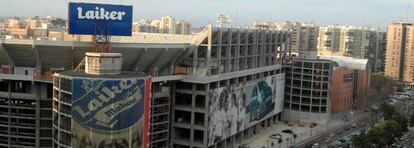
(213, 89)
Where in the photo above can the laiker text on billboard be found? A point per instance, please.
(89, 19)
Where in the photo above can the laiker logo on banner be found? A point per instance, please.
(100, 14)
(85, 18)
(111, 112)
(107, 105)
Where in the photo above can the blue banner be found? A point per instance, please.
(100, 19)
(108, 105)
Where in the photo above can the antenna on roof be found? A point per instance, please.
(237, 17)
(406, 11)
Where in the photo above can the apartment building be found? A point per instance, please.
(346, 41)
(304, 36)
(400, 50)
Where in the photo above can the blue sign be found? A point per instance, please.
(100, 19)
(108, 105)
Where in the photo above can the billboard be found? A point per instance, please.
(236, 107)
(91, 19)
(110, 112)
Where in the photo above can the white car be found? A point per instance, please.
(315, 145)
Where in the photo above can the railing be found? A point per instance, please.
(44, 77)
(154, 38)
(80, 65)
(200, 36)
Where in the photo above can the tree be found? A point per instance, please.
(412, 120)
(401, 120)
(361, 141)
(392, 130)
(376, 135)
(380, 87)
(388, 111)
(381, 135)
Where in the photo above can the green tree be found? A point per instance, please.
(361, 141)
(392, 130)
(412, 120)
(381, 135)
(380, 87)
(388, 111)
(376, 135)
(401, 120)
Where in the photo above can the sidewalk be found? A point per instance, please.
(304, 133)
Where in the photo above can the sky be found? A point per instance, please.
(373, 13)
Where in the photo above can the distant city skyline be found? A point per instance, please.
(373, 13)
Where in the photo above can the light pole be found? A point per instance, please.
(287, 143)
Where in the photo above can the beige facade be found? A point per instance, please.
(183, 27)
(34, 22)
(346, 41)
(144, 26)
(14, 22)
(329, 40)
(399, 54)
(167, 25)
(304, 36)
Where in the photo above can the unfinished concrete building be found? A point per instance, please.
(214, 105)
(307, 98)
(217, 88)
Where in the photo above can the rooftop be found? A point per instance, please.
(348, 62)
(124, 74)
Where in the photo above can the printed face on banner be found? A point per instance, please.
(236, 107)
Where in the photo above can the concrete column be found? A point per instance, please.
(192, 122)
(192, 130)
(219, 47)
(255, 49)
(38, 94)
(233, 140)
(195, 60)
(9, 113)
(207, 111)
(242, 137)
(229, 38)
(236, 64)
(172, 114)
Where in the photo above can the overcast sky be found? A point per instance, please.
(243, 12)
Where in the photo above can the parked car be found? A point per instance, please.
(327, 140)
(315, 145)
(353, 125)
(275, 136)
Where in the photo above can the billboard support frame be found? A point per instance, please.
(101, 39)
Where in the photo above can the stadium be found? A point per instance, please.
(190, 74)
